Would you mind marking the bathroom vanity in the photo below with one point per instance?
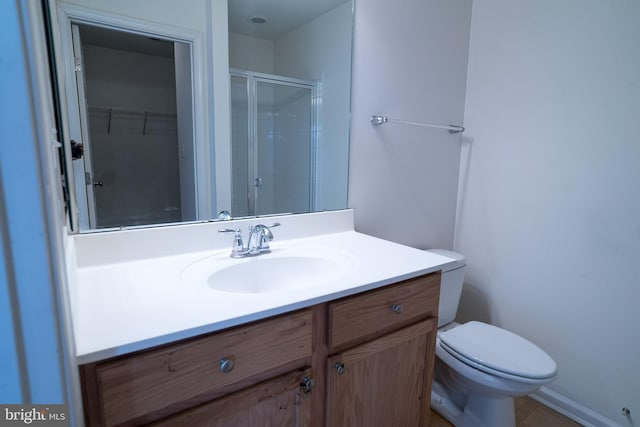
(345, 358)
(357, 349)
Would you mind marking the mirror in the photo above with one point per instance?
(290, 89)
(272, 140)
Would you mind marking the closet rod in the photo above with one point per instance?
(379, 120)
(125, 112)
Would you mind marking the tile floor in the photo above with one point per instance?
(529, 413)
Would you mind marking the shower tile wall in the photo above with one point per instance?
(266, 168)
(293, 152)
(284, 148)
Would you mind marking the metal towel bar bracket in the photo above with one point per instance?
(379, 120)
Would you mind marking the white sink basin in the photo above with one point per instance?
(284, 269)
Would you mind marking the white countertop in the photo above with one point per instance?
(122, 307)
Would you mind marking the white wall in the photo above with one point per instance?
(36, 354)
(129, 80)
(251, 53)
(410, 61)
(549, 215)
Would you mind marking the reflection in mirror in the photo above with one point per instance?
(290, 86)
(139, 101)
(131, 164)
(273, 144)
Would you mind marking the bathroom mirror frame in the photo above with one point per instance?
(67, 15)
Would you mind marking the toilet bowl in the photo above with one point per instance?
(480, 367)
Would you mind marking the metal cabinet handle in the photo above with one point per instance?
(396, 308)
(306, 384)
(226, 365)
(340, 368)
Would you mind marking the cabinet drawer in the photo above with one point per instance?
(277, 402)
(150, 381)
(365, 316)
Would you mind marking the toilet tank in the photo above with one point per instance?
(451, 286)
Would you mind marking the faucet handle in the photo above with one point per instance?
(228, 230)
(275, 224)
(238, 245)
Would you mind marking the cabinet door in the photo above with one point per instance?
(384, 382)
(280, 402)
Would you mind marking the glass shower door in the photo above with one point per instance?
(284, 155)
(240, 126)
(272, 145)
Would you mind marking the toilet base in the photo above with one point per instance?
(473, 410)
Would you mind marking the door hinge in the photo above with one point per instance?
(77, 65)
(87, 178)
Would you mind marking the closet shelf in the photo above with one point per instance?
(144, 116)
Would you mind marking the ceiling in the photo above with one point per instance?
(122, 40)
(282, 15)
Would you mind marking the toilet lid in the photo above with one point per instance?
(482, 345)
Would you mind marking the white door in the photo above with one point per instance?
(188, 193)
(82, 171)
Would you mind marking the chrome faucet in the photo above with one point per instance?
(259, 238)
(258, 243)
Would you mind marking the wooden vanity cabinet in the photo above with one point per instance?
(382, 349)
(383, 382)
(363, 360)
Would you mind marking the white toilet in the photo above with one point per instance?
(480, 367)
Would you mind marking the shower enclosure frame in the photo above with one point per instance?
(253, 78)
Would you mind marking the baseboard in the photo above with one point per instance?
(571, 409)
